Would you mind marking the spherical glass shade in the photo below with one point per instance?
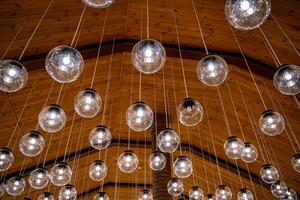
(2, 189)
(279, 189)
(212, 70)
(287, 79)
(157, 161)
(6, 158)
(168, 141)
(39, 178)
(250, 153)
(145, 195)
(139, 116)
(52, 118)
(175, 187)
(101, 196)
(271, 123)
(290, 195)
(223, 192)
(196, 193)
(210, 197)
(15, 186)
(245, 194)
(148, 56)
(98, 3)
(64, 64)
(32, 144)
(100, 137)
(87, 103)
(269, 174)
(13, 76)
(183, 167)
(190, 112)
(247, 14)
(60, 174)
(46, 196)
(296, 162)
(67, 192)
(234, 148)
(98, 170)
(128, 161)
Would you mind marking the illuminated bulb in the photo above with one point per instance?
(100, 137)
(46, 196)
(67, 192)
(6, 159)
(98, 3)
(139, 116)
(269, 174)
(128, 162)
(290, 195)
(87, 103)
(15, 186)
(183, 167)
(279, 189)
(234, 148)
(157, 161)
(32, 144)
(245, 194)
(296, 162)
(196, 193)
(60, 174)
(271, 123)
(39, 178)
(168, 141)
(249, 153)
(52, 118)
(145, 195)
(98, 170)
(175, 187)
(190, 112)
(101, 196)
(223, 193)
(210, 197)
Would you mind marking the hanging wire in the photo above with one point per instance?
(224, 112)
(165, 98)
(148, 34)
(78, 25)
(155, 111)
(11, 43)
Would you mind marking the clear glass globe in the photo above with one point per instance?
(287, 79)
(247, 14)
(6, 159)
(148, 56)
(128, 162)
(15, 185)
(279, 189)
(64, 64)
(87, 103)
(101, 196)
(157, 161)
(223, 192)
(183, 167)
(175, 187)
(190, 112)
(212, 70)
(145, 195)
(234, 148)
(296, 162)
(32, 144)
(60, 174)
(139, 116)
(168, 141)
(196, 193)
(2, 189)
(210, 197)
(13, 76)
(290, 195)
(271, 123)
(39, 178)
(46, 196)
(67, 192)
(98, 170)
(250, 153)
(269, 174)
(52, 118)
(98, 3)
(245, 194)
(100, 137)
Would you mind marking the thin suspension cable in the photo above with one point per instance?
(148, 34)
(11, 43)
(155, 111)
(130, 102)
(78, 25)
(191, 156)
(118, 152)
(224, 112)
(4, 106)
(165, 99)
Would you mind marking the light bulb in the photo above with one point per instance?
(190, 112)
(100, 137)
(139, 116)
(157, 161)
(210, 197)
(247, 14)
(67, 192)
(196, 193)
(287, 79)
(46, 196)
(6, 158)
(223, 193)
(279, 189)
(101, 196)
(148, 56)
(87, 103)
(168, 141)
(98, 170)
(52, 118)
(175, 187)
(183, 167)
(245, 194)
(128, 162)
(60, 174)
(269, 174)
(32, 144)
(271, 123)
(145, 195)
(15, 185)
(13, 76)
(234, 148)
(290, 195)
(2, 189)
(39, 178)
(296, 162)
(212, 70)
(98, 3)
(249, 154)
(64, 64)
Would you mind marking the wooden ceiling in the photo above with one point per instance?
(124, 24)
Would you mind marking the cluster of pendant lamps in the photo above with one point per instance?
(65, 64)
